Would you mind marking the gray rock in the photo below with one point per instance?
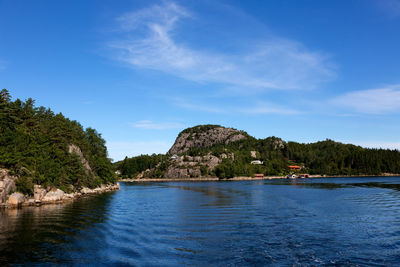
(7, 184)
(76, 150)
(16, 199)
(86, 190)
(38, 192)
(53, 195)
(186, 141)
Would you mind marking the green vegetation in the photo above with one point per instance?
(134, 166)
(325, 158)
(34, 144)
(199, 129)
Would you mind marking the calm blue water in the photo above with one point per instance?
(318, 222)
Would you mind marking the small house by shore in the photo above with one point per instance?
(294, 168)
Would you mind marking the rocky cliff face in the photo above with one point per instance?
(205, 136)
(7, 185)
(77, 150)
(193, 167)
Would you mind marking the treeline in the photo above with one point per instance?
(333, 158)
(326, 158)
(131, 167)
(35, 143)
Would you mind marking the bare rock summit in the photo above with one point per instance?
(205, 136)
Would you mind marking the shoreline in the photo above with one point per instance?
(244, 178)
(53, 196)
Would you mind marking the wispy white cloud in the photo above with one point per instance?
(259, 107)
(147, 124)
(151, 41)
(374, 101)
(269, 108)
(118, 150)
(187, 104)
(376, 144)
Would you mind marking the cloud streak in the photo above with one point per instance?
(248, 108)
(149, 125)
(150, 41)
(374, 101)
(376, 144)
(269, 108)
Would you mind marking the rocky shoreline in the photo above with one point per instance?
(9, 198)
(44, 196)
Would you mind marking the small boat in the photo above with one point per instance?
(291, 176)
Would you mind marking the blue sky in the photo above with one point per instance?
(141, 71)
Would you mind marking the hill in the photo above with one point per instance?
(203, 136)
(213, 150)
(40, 148)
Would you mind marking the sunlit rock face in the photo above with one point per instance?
(7, 184)
(205, 136)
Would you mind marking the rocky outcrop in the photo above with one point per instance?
(16, 199)
(278, 144)
(53, 195)
(38, 193)
(101, 189)
(193, 167)
(76, 150)
(7, 184)
(203, 136)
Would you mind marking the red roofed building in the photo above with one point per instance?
(295, 168)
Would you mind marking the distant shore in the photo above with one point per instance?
(244, 178)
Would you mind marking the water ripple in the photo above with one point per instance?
(321, 222)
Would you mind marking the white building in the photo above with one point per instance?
(257, 162)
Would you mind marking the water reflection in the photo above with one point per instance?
(32, 234)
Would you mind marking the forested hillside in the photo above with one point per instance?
(47, 149)
(232, 157)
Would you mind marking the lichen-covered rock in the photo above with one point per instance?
(38, 192)
(76, 150)
(86, 190)
(69, 196)
(190, 167)
(7, 184)
(16, 199)
(175, 172)
(101, 189)
(53, 195)
(205, 136)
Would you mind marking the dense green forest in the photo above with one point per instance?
(325, 158)
(35, 143)
(131, 167)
